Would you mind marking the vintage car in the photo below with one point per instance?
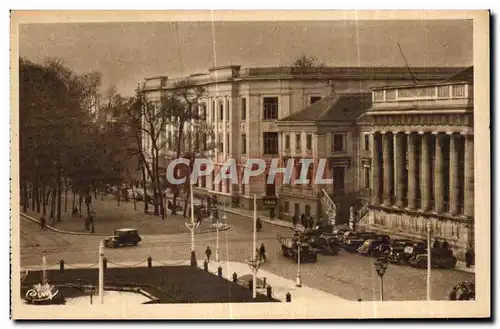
(123, 237)
(373, 247)
(326, 244)
(354, 241)
(290, 248)
(440, 257)
(402, 250)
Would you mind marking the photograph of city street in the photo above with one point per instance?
(293, 163)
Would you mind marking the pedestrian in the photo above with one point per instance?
(272, 214)
(303, 219)
(294, 220)
(259, 224)
(208, 252)
(42, 222)
(311, 222)
(469, 256)
(445, 245)
(453, 293)
(262, 252)
(436, 244)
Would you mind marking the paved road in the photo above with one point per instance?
(350, 276)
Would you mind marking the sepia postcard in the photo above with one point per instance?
(250, 164)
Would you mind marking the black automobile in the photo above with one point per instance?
(440, 257)
(373, 247)
(326, 244)
(123, 237)
(354, 241)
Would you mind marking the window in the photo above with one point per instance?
(287, 142)
(243, 109)
(213, 110)
(338, 179)
(309, 142)
(338, 142)
(314, 99)
(243, 144)
(227, 142)
(444, 91)
(270, 143)
(367, 178)
(367, 142)
(227, 109)
(221, 143)
(243, 189)
(270, 108)
(169, 141)
(308, 210)
(221, 111)
(270, 188)
(298, 143)
(458, 91)
(286, 207)
(203, 113)
(296, 209)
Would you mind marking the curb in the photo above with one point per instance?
(251, 217)
(53, 229)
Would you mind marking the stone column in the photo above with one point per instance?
(438, 175)
(425, 181)
(375, 168)
(399, 165)
(388, 170)
(412, 170)
(454, 186)
(469, 176)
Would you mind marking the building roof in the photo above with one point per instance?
(464, 75)
(336, 107)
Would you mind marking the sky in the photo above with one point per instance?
(126, 53)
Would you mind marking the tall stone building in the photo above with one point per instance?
(245, 104)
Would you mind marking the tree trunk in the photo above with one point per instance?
(188, 181)
(37, 195)
(59, 194)
(66, 195)
(44, 200)
(34, 194)
(24, 193)
(143, 169)
(80, 204)
(52, 204)
(74, 201)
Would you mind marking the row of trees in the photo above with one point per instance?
(65, 145)
(61, 147)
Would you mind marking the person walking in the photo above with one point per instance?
(303, 219)
(42, 222)
(272, 214)
(294, 220)
(259, 224)
(310, 222)
(208, 252)
(262, 252)
(469, 256)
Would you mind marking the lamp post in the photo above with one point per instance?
(381, 264)
(192, 227)
(254, 261)
(298, 282)
(101, 272)
(428, 224)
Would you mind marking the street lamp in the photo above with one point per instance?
(428, 225)
(298, 282)
(192, 227)
(381, 264)
(254, 262)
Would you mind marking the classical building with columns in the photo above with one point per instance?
(419, 158)
(245, 104)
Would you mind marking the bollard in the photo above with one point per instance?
(205, 265)
(61, 266)
(235, 277)
(219, 271)
(269, 292)
(104, 262)
(250, 285)
(288, 297)
(150, 262)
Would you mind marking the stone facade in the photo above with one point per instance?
(244, 106)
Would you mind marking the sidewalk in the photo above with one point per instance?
(111, 216)
(280, 286)
(264, 218)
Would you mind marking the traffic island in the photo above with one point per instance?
(166, 284)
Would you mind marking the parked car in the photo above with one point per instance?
(372, 247)
(123, 237)
(353, 242)
(404, 251)
(326, 244)
(290, 248)
(440, 257)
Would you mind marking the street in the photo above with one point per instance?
(350, 276)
